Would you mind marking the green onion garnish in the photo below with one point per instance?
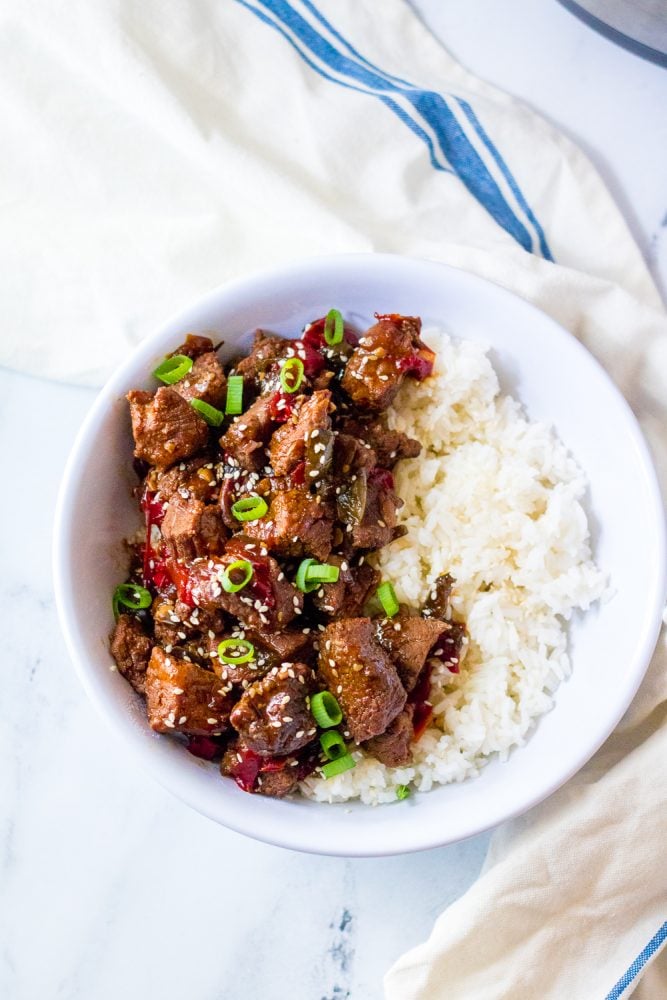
(322, 573)
(245, 651)
(301, 581)
(387, 598)
(326, 710)
(239, 566)
(234, 402)
(335, 767)
(249, 508)
(291, 374)
(333, 745)
(129, 595)
(212, 416)
(333, 328)
(310, 575)
(172, 370)
(402, 792)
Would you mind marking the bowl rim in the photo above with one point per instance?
(67, 605)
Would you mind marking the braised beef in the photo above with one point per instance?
(131, 649)
(183, 697)
(320, 459)
(360, 674)
(166, 428)
(247, 435)
(409, 639)
(205, 380)
(289, 443)
(192, 528)
(380, 361)
(273, 716)
(394, 746)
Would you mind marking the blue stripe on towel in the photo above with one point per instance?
(642, 958)
(431, 106)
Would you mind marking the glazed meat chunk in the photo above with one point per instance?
(385, 353)
(205, 380)
(409, 639)
(378, 525)
(346, 597)
(192, 528)
(394, 746)
(183, 697)
(194, 478)
(255, 773)
(295, 525)
(194, 346)
(246, 437)
(273, 715)
(166, 428)
(267, 350)
(289, 443)
(388, 446)
(359, 672)
(131, 649)
(269, 600)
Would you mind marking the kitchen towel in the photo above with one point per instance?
(154, 150)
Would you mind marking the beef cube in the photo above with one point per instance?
(131, 649)
(263, 775)
(289, 442)
(409, 639)
(246, 437)
(288, 645)
(394, 746)
(360, 674)
(351, 455)
(182, 697)
(379, 524)
(176, 622)
(166, 428)
(194, 478)
(192, 528)
(295, 525)
(388, 446)
(268, 601)
(346, 597)
(240, 674)
(194, 346)
(273, 715)
(376, 369)
(267, 351)
(205, 380)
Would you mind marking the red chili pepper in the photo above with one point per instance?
(421, 718)
(314, 335)
(180, 577)
(245, 770)
(419, 698)
(298, 474)
(418, 365)
(281, 406)
(204, 747)
(381, 477)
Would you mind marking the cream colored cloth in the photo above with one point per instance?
(152, 150)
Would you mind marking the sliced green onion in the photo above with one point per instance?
(246, 651)
(402, 792)
(212, 416)
(172, 370)
(333, 745)
(301, 581)
(335, 767)
(322, 573)
(326, 710)
(291, 374)
(234, 402)
(239, 566)
(130, 595)
(249, 508)
(387, 598)
(333, 328)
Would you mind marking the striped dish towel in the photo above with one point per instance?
(160, 148)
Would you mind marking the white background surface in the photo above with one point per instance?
(109, 887)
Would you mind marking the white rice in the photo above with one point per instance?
(494, 499)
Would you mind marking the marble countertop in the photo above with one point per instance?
(111, 888)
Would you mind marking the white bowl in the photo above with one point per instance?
(558, 382)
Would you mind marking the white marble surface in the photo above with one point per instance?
(110, 888)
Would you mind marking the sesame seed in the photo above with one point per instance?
(182, 719)
(212, 722)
